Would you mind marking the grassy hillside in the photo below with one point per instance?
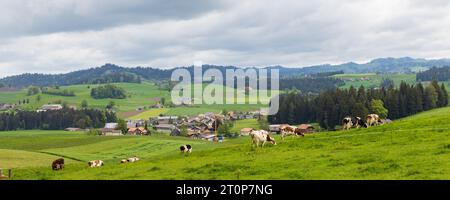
(140, 95)
(417, 147)
(374, 80)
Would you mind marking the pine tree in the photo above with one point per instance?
(419, 97)
(445, 94)
(430, 97)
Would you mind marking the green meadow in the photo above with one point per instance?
(142, 95)
(374, 80)
(416, 147)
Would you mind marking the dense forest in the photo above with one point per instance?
(330, 107)
(55, 120)
(440, 74)
(108, 91)
(120, 77)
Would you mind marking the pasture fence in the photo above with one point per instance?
(3, 176)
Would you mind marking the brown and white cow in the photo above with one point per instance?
(96, 163)
(291, 130)
(58, 164)
(347, 123)
(261, 136)
(372, 120)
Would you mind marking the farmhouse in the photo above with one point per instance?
(306, 128)
(135, 123)
(5, 106)
(165, 128)
(167, 119)
(137, 131)
(111, 125)
(48, 107)
(70, 129)
(111, 132)
(276, 127)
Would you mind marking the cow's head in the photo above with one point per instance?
(271, 139)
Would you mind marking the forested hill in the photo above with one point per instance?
(113, 73)
(435, 73)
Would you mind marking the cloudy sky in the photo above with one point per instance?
(54, 36)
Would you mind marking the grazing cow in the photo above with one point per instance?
(299, 132)
(96, 163)
(372, 119)
(347, 123)
(287, 130)
(129, 160)
(358, 122)
(186, 148)
(261, 136)
(58, 164)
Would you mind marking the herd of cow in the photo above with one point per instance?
(258, 137)
(59, 163)
(357, 122)
(262, 136)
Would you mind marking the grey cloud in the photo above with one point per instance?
(28, 17)
(245, 33)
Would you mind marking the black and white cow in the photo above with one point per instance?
(359, 123)
(347, 123)
(130, 160)
(186, 148)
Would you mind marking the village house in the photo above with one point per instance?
(6, 106)
(306, 128)
(137, 131)
(167, 119)
(165, 128)
(71, 129)
(276, 127)
(135, 123)
(48, 107)
(110, 130)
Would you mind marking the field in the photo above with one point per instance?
(417, 147)
(374, 80)
(140, 96)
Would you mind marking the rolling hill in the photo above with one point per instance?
(416, 147)
(114, 73)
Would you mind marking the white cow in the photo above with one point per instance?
(96, 163)
(373, 120)
(261, 136)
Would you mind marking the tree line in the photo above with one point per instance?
(435, 73)
(108, 91)
(330, 107)
(55, 120)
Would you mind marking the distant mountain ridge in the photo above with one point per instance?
(114, 73)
